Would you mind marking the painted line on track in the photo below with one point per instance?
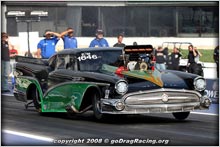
(37, 137)
(202, 113)
(7, 94)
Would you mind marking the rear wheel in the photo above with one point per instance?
(36, 98)
(181, 115)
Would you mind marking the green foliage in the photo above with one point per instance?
(207, 55)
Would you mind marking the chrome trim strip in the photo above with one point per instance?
(160, 108)
(159, 98)
(73, 82)
(164, 105)
(27, 77)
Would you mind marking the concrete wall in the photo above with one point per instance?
(200, 43)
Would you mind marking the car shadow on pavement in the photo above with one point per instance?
(117, 119)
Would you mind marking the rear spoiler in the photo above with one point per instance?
(29, 60)
(138, 49)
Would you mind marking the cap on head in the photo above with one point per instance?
(99, 31)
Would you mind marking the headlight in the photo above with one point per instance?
(121, 87)
(199, 84)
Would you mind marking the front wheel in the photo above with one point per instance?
(181, 115)
(96, 104)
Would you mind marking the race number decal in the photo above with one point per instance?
(87, 56)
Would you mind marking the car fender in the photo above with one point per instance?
(66, 94)
(23, 84)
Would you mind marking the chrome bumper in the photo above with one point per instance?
(156, 101)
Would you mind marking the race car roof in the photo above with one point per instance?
(78, 50)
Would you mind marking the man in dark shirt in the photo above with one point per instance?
(192, 65)
(5, 68)
(160, 58)
(119, 43)
(175, 59)
(216, 58)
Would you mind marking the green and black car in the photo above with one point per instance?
(108, 81)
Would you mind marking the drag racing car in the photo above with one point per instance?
(108, 81)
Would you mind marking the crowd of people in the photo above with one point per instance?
(46, 48)
(166, 60)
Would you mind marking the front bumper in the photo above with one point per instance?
(156, 101)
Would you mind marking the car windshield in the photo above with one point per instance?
(93, 61)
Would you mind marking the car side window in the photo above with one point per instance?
(65, 62)
(71, 64)
(62, 60)
(93, 61)
(61, 63)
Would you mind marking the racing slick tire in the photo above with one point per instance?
(36, 98)
(96, 106)
(181, 115)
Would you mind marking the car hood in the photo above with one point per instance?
(156, 79)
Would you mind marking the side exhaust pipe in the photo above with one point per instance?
(72, 109)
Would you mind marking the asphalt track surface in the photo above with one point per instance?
(198, 129)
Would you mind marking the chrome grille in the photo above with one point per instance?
(156, 97)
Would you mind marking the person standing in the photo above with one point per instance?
(119, 43)
(216, 58)
(5, 67)
(160, 58)
(68, 39)
(192, 65)
(175, 59)
(46, 47)
(99, 41)
(198, 54)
